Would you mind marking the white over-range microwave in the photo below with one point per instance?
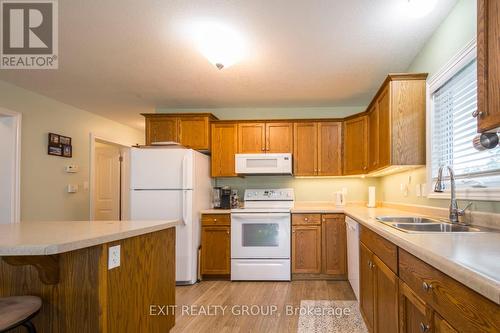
(268, 164)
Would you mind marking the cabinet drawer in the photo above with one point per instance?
(306, 219)
(457, 304)
(215, 219)
(384, 249)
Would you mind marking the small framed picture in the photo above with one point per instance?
(55, 150)
(54, 139)
(67, 151)
(64, 140)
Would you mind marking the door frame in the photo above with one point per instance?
(124, 181)
(16, 167)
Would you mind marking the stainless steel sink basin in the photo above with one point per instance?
(434, 227)
(407, 219)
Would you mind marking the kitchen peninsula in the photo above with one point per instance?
(66, 264)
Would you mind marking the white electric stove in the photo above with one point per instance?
(260, 236)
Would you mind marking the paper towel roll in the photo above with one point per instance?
(371, 197)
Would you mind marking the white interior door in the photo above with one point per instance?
(107, 196)
(7, 171)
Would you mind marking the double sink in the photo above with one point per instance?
(413, 224)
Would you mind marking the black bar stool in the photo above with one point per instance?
(18, 311)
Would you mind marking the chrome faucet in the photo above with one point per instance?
(455, 212)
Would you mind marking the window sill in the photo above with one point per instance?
(477, 194)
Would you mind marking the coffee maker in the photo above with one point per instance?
(221, 197)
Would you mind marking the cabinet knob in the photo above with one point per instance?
(306, 219)
(477, 113)
(227, 232)
(215, 220)
(426, 286)
(370, 264)
(293, 231)
(424, 327)
(324, 220)
(263, 149)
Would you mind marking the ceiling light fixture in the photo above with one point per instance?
(219, 43)
(419, 8)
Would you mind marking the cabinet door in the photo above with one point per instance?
(488, 65)
(355, 146)
(159, 129)
(373, 138)
(224, 146)
(334, 244)
(305, 149)
(329, 149)
(366, 292)
(215, 250)
(386, 286)
(251, 138)
(441, 325)
(384, 129)
(194, 132)
(279, 137)
(414, 315)
(306, 249)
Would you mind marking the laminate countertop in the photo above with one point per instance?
(47, 238)
(470, 258)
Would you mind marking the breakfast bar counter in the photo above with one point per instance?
(67, 264)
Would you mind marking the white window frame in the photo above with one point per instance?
(457, 63)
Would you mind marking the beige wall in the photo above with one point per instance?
(43, 180)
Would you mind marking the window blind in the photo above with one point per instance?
(454, 128)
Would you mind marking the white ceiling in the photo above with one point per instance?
(122, 57)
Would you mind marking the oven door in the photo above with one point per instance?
(260, 235)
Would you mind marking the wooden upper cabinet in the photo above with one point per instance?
(305, 148)
(384, 129)
(191, 130)
(279, 137)
(194, 132)
(329, 149)
(374, 141)
(334, 244)
(224, 147)
(161, 129)
(306, 249)
(488, 65)
(356, 145)
(251, 138)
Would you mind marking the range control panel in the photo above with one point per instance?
(283, 194)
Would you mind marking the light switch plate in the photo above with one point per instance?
(114, 257)
(72, 188)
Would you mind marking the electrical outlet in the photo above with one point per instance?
(418, 190)
(114, 257)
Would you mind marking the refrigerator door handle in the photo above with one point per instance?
(184, 206)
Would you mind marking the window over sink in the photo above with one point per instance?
(451, 129)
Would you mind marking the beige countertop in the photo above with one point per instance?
(46, 238)
(470, 258)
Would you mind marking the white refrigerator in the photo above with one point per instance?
(172, 183)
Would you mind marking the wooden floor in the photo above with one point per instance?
(199, 307)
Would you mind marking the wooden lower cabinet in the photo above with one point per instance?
(334, 244)
(441, 325)
(306, 249)
(414, 315)
(366, 299)
(379, 293)
(216, 245)
(319, 246)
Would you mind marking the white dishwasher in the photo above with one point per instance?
(352, 228)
